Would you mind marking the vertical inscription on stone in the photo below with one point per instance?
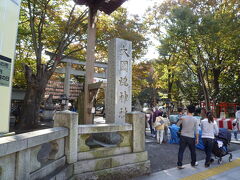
(123, 81)
(119, 81)
(124, 66)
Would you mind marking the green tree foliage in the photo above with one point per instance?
(120, 25)
(52, 25)
(42, 27)
(145, 83)
(201, 37)
(60, 27)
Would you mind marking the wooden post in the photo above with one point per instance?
(67, 81)
(81, 108)
(91, 41)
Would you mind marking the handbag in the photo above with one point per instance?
(158, 123)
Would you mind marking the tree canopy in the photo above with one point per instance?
(198, 48)
(60, 28)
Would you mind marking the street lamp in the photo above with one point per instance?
(64, 102)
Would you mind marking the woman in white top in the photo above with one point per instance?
(209, 129)
(236, 123)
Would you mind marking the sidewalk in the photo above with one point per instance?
(226, 171)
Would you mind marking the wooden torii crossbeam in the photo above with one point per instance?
(107, 6)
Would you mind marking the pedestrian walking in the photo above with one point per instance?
(160, 111)
(150, 122)
(155, 114)
(187, 138)
(236, 123)
(159, 127)
(180, 113)
(166, 125)
(209, 129)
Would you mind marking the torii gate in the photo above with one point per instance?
(93, 88)
(107, 6)
(68, 70)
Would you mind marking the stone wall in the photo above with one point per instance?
(64, 152)
(32, 155)
(121, 159)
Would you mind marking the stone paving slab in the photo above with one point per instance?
(225, 171)
(233, 140)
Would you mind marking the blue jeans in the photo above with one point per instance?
(184, 142)
(151, 128)
(235, 132)
(208, 143)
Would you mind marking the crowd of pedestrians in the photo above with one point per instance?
(189, 130)
(158, 124)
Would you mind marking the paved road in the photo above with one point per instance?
(225, 171)
(164, 156)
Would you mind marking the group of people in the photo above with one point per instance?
(158, 123)
(189, 131)
(189, 135)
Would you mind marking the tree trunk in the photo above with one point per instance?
(35, 91)
(170, 84)
(216, 74)
(204, 88)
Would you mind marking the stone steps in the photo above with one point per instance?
(91, 165)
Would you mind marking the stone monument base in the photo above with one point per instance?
(113, 167)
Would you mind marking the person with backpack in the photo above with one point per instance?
(209, 129)
(159, 127)
(187, 137)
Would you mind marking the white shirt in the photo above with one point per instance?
(237, 115)
(209, 129)
(235, 128)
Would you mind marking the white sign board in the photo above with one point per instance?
(5, 71)
(9, 16)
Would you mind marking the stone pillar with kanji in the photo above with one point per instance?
(119, 81)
